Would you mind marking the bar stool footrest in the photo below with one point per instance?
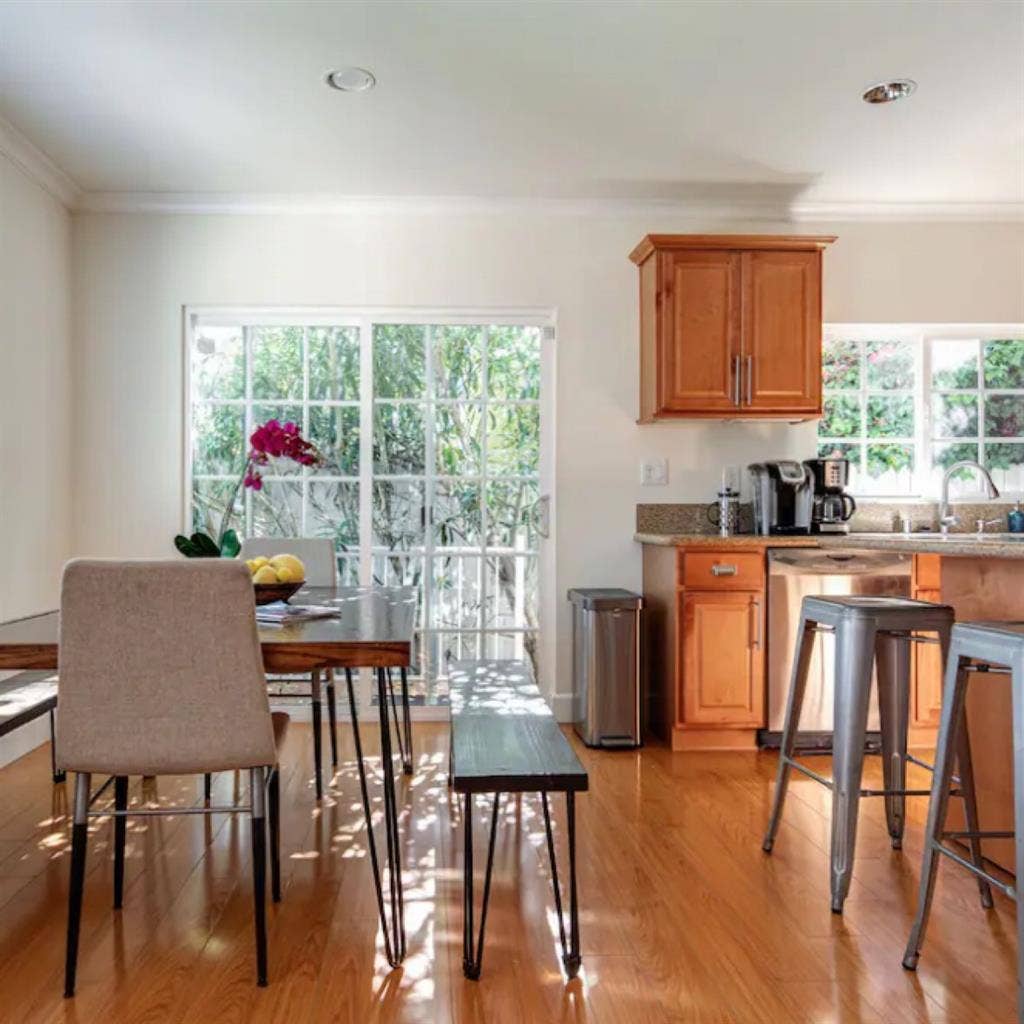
(1007, 890)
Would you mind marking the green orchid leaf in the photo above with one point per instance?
(186, 547)
(230, 544)
(206, 545)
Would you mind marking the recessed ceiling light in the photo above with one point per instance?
(889, 92)
(351, 79)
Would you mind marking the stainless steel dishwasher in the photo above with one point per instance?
(794, 573)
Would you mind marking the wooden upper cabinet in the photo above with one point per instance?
(700, 321)
(730, 326)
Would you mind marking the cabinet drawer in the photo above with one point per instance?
(721, 570)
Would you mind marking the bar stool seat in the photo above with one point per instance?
(869, 631)
(992, 649)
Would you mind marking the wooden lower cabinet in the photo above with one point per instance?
(926, 659)
(722, 659)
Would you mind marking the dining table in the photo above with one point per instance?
(371, 628)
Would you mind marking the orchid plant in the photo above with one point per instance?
(272, 440)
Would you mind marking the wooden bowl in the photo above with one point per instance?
(267, 593)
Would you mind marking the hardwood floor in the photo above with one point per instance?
(683, 918)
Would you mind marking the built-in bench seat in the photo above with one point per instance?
(504, 739)
(24, 698)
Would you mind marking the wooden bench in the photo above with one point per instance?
(504, 739)
(24, 698)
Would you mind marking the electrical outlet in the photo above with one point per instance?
(654, 472)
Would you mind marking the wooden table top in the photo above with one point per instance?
(374, 630)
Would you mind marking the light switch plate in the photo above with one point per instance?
(654, 472)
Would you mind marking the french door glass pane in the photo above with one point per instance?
(332, 510)
(511, 592)
(456, 589)
(510, 509)
(333, 363)
(334, 429)
(209, 502)
(399, 439)
(458, 362)
(458, 432)
(513, 363)
(218, 440)
(218, 363)
(276, 354)
(513, 440)
(457, 520)
(399, 515)
(277, 509)
(399, 361)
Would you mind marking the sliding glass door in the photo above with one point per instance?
(434, 441)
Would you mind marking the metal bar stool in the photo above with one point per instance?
(868, 630)
(992, 648)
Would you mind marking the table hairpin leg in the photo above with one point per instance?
(406, 721)
(473, 951)
(391, 951)
(397, 720)
(391, 820)
(571, 952)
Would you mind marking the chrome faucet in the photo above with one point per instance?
(991, 491)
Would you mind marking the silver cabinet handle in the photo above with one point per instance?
(724, 570)
(737, 374)
(755, 607)
(750, 380)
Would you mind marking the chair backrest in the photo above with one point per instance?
(317, 553)
(160, 669)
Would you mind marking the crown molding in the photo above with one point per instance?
(33, 162)
(742, 209)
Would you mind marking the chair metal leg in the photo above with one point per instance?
(207, 787)
(855, 651)
(259, 870)
(794, 702)
(406, 722)
(58, 776)
(274, 821)
(315, 696)
(571, 950)
(79, 837)
(394, 851)
(892, 656)
(965, 769)
(473, 950)
(1017, 688)
(367, 813)
(332, 717)
(954, 691)
(120, 834)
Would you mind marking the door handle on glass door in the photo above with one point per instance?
(542, 516)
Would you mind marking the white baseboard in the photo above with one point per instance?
(561, 705)
(18, 743)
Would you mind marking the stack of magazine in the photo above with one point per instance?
(280, 613)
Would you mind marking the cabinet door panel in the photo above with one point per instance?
(700, 331)
(723, 658)
(782, 331)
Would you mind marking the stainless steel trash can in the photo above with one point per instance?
(606, 666)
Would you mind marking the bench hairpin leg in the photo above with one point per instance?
(58, 776)
(473, 954)
(370, 840)
(394, 851)
(571, 952)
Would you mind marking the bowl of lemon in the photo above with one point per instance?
(277, 578)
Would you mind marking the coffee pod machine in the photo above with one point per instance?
(783, 497)
(831, 506)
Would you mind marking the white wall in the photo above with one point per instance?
(134, 273)
(35, 395)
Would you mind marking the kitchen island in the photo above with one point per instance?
(706, 638)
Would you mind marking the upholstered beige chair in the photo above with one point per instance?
(317, 553)
(161, 674)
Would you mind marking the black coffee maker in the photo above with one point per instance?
(831, 506)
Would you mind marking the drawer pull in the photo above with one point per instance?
(724, 570)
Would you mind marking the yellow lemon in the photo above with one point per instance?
(286, 574)
(260, 561)
(264, 574)
(296, 570)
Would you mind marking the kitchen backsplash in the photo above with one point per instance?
(874, 517)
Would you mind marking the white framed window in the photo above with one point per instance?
(436, 432)
(905, 401)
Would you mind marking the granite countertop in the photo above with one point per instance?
(991, 545)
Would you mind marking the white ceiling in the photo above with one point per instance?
(608, 99)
